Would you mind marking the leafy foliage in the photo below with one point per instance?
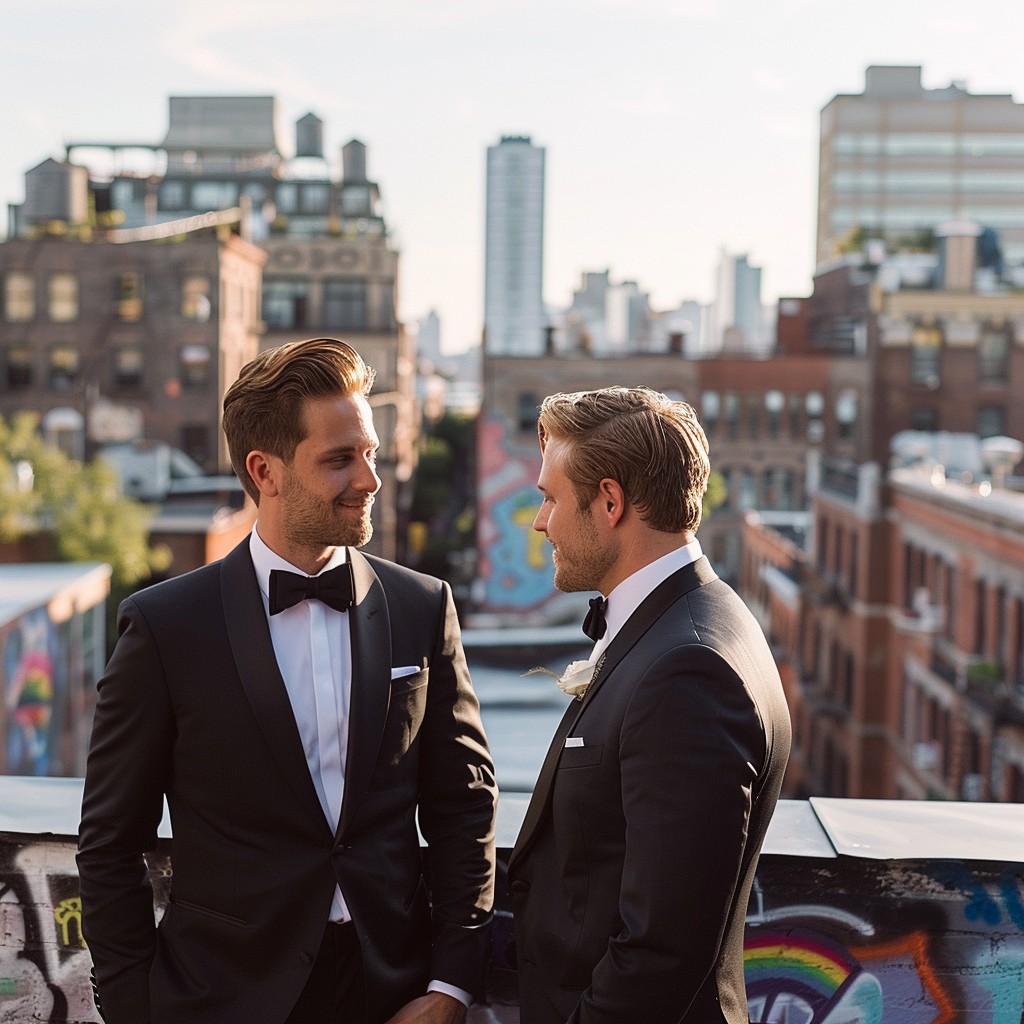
(42, 489)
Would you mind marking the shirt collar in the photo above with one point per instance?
(264, 560)
(631, 592)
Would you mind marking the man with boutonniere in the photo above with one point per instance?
(632, 872)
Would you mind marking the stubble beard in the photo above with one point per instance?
(314, 524)
(588, 565)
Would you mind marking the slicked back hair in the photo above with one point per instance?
(654, 448)
(263, 409)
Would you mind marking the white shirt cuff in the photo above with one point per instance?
(450, 990)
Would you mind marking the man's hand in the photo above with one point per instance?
(433, 1008)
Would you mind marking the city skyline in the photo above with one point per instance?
(673, 128)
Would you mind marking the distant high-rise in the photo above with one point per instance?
(898, 160)
(514, 317)
(737, 305)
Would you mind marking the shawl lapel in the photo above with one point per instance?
(688, 578)
(371, 682)
(253, 651)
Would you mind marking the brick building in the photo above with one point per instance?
(129, 334)
(763, 418)
(900, 633)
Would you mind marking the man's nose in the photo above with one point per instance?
(368, 480)
(540, 520)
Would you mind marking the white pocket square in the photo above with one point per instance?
(574, 741)
(404, 670)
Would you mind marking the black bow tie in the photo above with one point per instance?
(334, 587)
(595, 625)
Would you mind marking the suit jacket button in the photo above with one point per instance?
(305, 957)
(520, 886)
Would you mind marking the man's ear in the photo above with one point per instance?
(265, 471)
(613, 499)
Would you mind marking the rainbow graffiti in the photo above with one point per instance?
(796, 966)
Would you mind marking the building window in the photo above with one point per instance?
(128, 296)
(285, 304)
(195, 298)
(774, 404)
(991, 421)
(846, 414)
(710, 406)
(195, 442)
(195, 366)
(345, 304)
(172, 195)
(994, 356)
(747, 498)
(19, 297)
(925, 352)
(814, 402)
(527, 410)
(732, 414)
(753, 404)
(795, 417)
(287, 198)
(19, 368)
(355, 200)
(63, 297)
(315, 198)
(214, 195)
(64, 366)
(128, 367)
(924, 418)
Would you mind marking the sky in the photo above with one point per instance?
(673, 128)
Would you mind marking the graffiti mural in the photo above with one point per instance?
(44, 965)
(842, 941)
(915, 942)
(34, 696)
(515, 562)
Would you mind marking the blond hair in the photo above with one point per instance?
(263, 408)
(654, 448)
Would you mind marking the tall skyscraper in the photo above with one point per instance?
(736, 308)
(897, 160)
(514, 317)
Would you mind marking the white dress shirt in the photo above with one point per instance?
(313, 642)
(635, 589)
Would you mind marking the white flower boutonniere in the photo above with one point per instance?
(577, 677)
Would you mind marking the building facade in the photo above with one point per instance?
(899, 630)
(515, 322)
(329, 265)
(125, 337)
(766, 420)
(898, 159)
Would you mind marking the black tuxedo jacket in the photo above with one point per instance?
(631, 874)
(192, 706)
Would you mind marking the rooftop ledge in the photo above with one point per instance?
(822, 827)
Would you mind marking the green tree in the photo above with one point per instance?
(714, 495)
(79, 504)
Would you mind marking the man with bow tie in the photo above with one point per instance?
(301, 706)
(633, 868)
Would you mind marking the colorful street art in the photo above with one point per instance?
(841, 941)
(29, 668)
(515, 562)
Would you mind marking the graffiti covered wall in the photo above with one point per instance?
(515, 561)
(840, 941)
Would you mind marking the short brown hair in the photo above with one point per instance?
(654, 448)
(263, 408)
